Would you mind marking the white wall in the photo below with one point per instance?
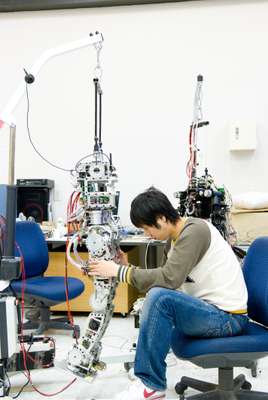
(151, 57)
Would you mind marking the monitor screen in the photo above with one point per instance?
(7, 219)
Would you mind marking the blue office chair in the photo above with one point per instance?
(41, 291)
(238, 351)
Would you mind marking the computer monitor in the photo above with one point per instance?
(8, 201)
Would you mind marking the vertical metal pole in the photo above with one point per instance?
(11, 162)
(11, 199)
(100, 115)
(96, 145)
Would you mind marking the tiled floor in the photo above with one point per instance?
(117, 341)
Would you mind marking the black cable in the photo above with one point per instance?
(21, 389)
(28, 379)
(96, 145)
(9, 384)
(100, 116)
(29, 135)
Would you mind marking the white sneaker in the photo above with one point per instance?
(138, 391)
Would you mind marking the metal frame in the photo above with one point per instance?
(37, 5)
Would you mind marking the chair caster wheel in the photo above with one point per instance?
(128, 366)
(254, 371)
(180, 389)
(246, 386)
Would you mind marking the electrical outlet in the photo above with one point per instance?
(242, 135)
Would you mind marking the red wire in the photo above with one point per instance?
(45, 365)
(24, 353)
(69, 312)
(189, 167)
(71, 208)
(72, 205)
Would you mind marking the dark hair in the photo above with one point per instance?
(150, 205)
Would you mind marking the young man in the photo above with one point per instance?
(199, 290)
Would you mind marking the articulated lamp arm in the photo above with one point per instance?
(6, 116)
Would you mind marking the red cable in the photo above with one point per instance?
(189, 166)
(69, 312)
(70, 211)
(71, 208)
(24, 353)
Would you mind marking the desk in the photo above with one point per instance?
(135, 246)
(249, 224)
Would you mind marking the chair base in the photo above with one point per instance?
(225, 395)
(227, 388)
(44, 322)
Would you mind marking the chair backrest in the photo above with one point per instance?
(256, 276)
(31, 242)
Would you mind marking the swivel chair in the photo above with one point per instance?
(41, 291)
(237, 351)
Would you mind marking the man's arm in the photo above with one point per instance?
(165, 253)
(187, 252)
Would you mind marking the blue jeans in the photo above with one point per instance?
(166, 309)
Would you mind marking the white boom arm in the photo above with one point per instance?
(6, 116)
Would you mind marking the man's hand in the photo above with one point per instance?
(106, 269)
(122, 257)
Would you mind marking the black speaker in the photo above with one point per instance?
(33, 198)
